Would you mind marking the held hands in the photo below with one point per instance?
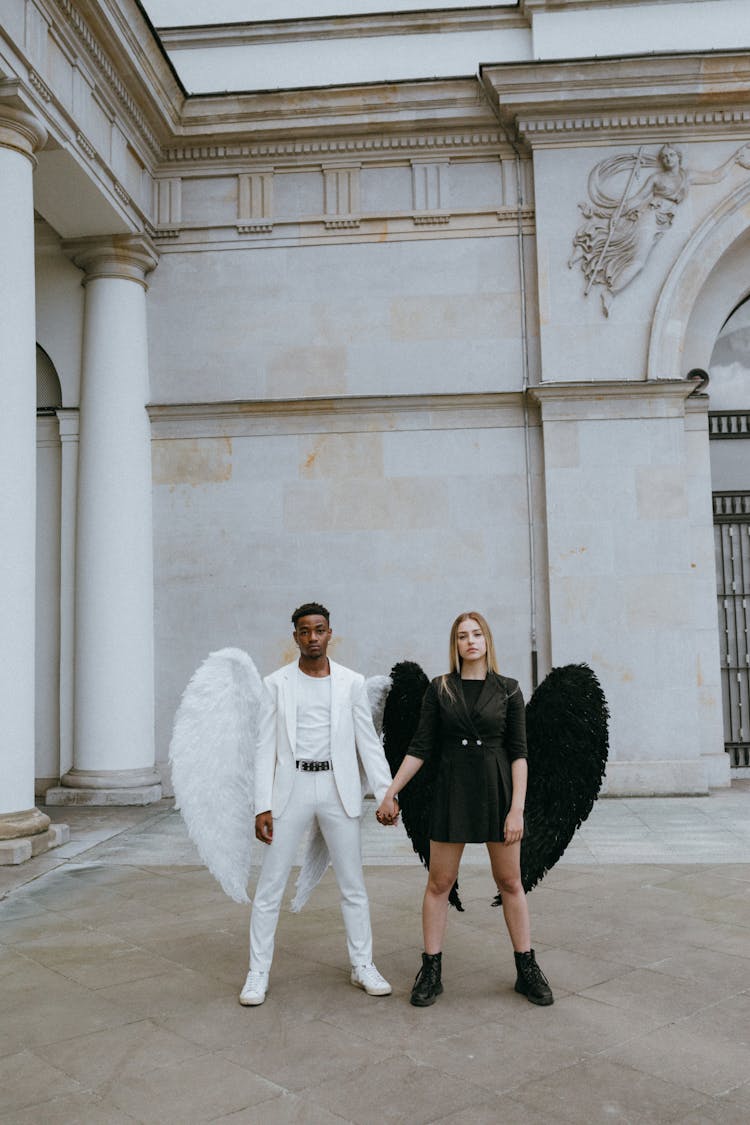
(264, 827)
(513, 826)
(387, 813)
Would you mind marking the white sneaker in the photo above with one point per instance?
(368, 977)
(254, 989)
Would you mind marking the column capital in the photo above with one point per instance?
(21, 130)
(126, 256)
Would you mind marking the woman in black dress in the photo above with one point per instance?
(474, 718)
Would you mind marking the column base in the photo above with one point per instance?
(106, 787)
(136, 795)
(26, 847)
(669, 778)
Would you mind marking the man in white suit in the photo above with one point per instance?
(315, 730)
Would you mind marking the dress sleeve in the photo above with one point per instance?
(424, 741)
(515, 723)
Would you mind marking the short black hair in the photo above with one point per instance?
(310, 609)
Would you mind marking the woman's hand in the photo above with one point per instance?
(513, 826)
(387, 813)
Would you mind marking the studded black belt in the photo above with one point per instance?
(311, 766)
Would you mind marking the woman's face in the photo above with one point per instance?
(471, 643)
(669, 158)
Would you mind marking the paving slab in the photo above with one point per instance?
(121, 959)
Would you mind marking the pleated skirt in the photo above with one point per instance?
(473, 792)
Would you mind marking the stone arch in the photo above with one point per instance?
(708, 280)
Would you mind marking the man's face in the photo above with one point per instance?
(312, 634)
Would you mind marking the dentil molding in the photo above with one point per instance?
(598, 100)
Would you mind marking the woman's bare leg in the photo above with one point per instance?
(506, 871)
(444, 863)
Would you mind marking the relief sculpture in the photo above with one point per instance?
(633, 200)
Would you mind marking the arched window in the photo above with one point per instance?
(48, 390)
(730, 362)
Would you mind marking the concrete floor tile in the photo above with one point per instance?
(190, 1092)
(598, 1090)
(717, 1111)
(298, 1056)
(725, 1018)
(175, 990)
(380, 1092)
(493, 1057)
(11, 961)
(219, 954)
(585, 1025)
(222, 1024)
(495, 1112)
(115, 1054)
(707, 966)
(655, 993)
(18, 931)
(682, 1055)
(286, 1109)
(27, 1080)
(75, 1109)
(392, 1019)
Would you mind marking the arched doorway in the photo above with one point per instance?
(729, 429)
(48, 527)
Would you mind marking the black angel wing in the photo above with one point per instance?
(567, 739)
(400, 721)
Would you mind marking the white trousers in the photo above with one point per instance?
(314, 796)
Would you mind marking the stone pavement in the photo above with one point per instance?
(120, 962)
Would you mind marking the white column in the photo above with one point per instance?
(68, 423)
(113, 752)
(20, 136)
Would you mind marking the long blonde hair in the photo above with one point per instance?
(455, 659)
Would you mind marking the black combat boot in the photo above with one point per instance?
(427, 986)
(531, 981)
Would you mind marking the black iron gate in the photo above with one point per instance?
(732, 539)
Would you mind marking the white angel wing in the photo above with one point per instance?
(377, 688)
(211, 752)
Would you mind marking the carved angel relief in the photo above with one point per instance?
(634, 197)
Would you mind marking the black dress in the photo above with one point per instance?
(476, 740)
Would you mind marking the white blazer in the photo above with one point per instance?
(355, 745)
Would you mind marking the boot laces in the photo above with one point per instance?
(533, 973)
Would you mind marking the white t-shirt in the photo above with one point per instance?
(313, 717)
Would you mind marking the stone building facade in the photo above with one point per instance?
(407, 346)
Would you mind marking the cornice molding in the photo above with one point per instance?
(607, 401)
(257, 32)
(457, 104)
(374, 145)
(534, 7)
(108, 71)
(597, 100)
(353, 412)
(612, 389)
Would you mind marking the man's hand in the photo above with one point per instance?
(264, 827)
(388, 811)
